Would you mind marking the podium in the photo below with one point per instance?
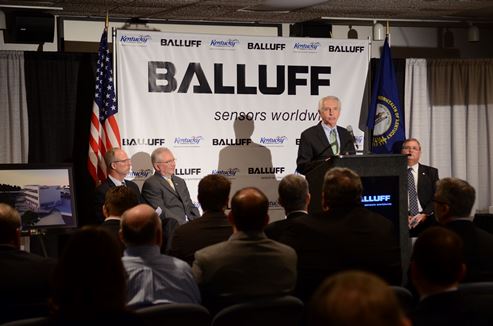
(384, 179)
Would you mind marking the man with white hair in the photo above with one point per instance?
(324, 139)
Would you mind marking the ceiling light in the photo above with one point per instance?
(352, 33)
(378, 32)
(473, 33)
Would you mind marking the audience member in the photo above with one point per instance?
(153, 277)
(89, 283)
(117, 201)
(346, 236)
(248, 265)
(294, 198)
(454, 200)
(165, 191)
(117, 167)
(212, 227)
(437, 267)
(355, 298)
(421, 188)
(24, 277)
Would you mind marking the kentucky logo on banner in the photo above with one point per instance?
(385, 116)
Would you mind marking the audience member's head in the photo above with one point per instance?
(213, 194)
(453, 198)
(10, 225)
(437, 261)
(117, 163)
(141, 226)
(342, 187)
(355, 298)
(117, 200)
(293, 193)
(89, 279)
(249, 208)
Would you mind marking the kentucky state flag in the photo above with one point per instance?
(385, 116)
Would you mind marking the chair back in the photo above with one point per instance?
(38, 321)
(478, 298)
(175, 314)
(286, 311)
(405, 297)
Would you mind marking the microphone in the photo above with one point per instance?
(351, 133)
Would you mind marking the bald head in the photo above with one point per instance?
(141, 225)
(249, 208)
(10, 223)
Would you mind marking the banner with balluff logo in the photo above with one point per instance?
(232, 105)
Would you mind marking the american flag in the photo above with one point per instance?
(105, 133)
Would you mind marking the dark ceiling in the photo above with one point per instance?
(477, 11)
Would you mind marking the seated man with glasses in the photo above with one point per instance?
(166, 192)
(422, 181)
(117, 167)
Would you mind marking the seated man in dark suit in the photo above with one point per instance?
(422, 181)
(166, 192)
(212, 227)
(117, 201)
(249, 265)
(454, 200)
(294, 197)
(324, 139)
(437, 267)
(346, 236)
(24, 277)
(117, 167)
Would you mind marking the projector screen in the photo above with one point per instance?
(42, 194)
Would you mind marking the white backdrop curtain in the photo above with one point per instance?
(449, 108)
(14, 127)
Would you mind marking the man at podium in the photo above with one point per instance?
(325, 139)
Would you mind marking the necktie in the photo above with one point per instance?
(413, 196)
(333, 142)
(170, 183)
(123, 183)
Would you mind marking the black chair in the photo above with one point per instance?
(175, 314)
(286, 311)
(405, 297)
(478, 298)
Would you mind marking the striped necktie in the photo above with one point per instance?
(333, 142)
(413, 195)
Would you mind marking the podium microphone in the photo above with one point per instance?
(351, 133)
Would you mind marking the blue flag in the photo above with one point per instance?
(385, 116)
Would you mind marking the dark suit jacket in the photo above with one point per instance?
(344, 238)
(314, 146)
(427, 179)
(445, 309)
(211, 228)
(24, 284)
(174, 204)
(100, 193)
(478, 250)
(276, 230)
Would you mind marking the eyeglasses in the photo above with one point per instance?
(122, 161)
(167, 162)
